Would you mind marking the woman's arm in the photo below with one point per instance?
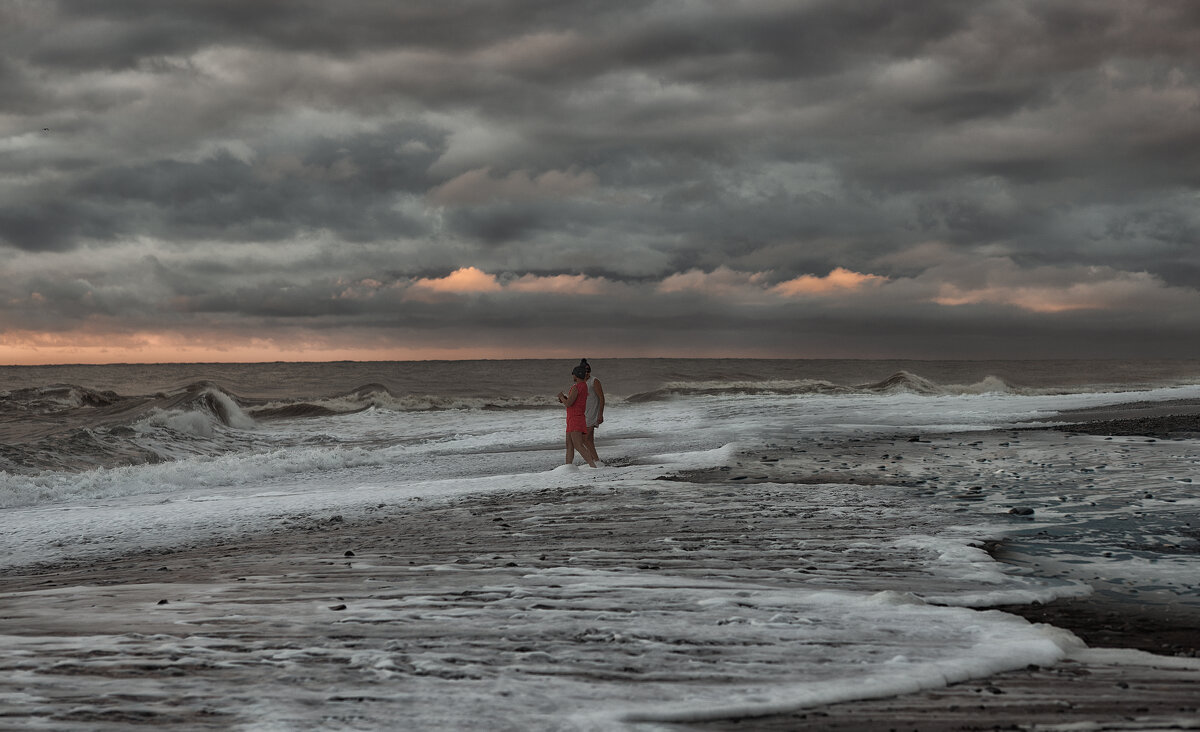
(569, 399)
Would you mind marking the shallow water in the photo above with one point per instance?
(631, 598)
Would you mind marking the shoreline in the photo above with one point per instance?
(1175, 419)
(502, 539)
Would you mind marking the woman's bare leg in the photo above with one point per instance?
(570, 451)
(577, 439)
(589, 440)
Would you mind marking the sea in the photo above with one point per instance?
(69, 419)
(98, 461)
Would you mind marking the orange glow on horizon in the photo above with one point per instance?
(15, 356)
(76, 347)
(30, 348)
(249, 352)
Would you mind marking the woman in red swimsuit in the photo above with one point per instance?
(576, 402)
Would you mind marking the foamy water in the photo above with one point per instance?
(882, 616)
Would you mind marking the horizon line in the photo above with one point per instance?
(603, 358)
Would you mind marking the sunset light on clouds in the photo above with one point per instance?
(839, 280)
(466, 280)
(1118, 292)
(203, 182)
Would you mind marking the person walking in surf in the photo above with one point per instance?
(576, 403)
(594, 409)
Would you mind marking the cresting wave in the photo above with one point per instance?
(66, 427)
(902, 382)
(214, 403)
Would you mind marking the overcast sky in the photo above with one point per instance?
(269, 180)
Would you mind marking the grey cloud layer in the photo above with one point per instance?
(625, 140)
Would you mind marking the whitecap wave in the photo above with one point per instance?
(199, 413)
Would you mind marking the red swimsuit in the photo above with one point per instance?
(576, 422)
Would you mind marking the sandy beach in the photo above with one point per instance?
(196, 637)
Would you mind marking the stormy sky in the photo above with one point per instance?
(232, 180)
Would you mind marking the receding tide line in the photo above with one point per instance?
(1053, 646)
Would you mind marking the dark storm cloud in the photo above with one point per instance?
(972, 153)
(120, 34)
(54, 224)
(224, 198)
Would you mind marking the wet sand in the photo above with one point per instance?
(1177, 419)
(752, 518)
(1068, 697)
(1071, 695)
(479, 576)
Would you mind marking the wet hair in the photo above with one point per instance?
(579, 372)
(585, 365)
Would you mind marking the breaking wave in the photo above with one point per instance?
(67, 427)
(901, 382)
(201, 411)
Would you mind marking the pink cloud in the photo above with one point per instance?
(839, 280)
(748, 286)
(462, 281)
(474, 281)
(560, 284)
(722, 281)
(1118, 292)
(999, 281)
